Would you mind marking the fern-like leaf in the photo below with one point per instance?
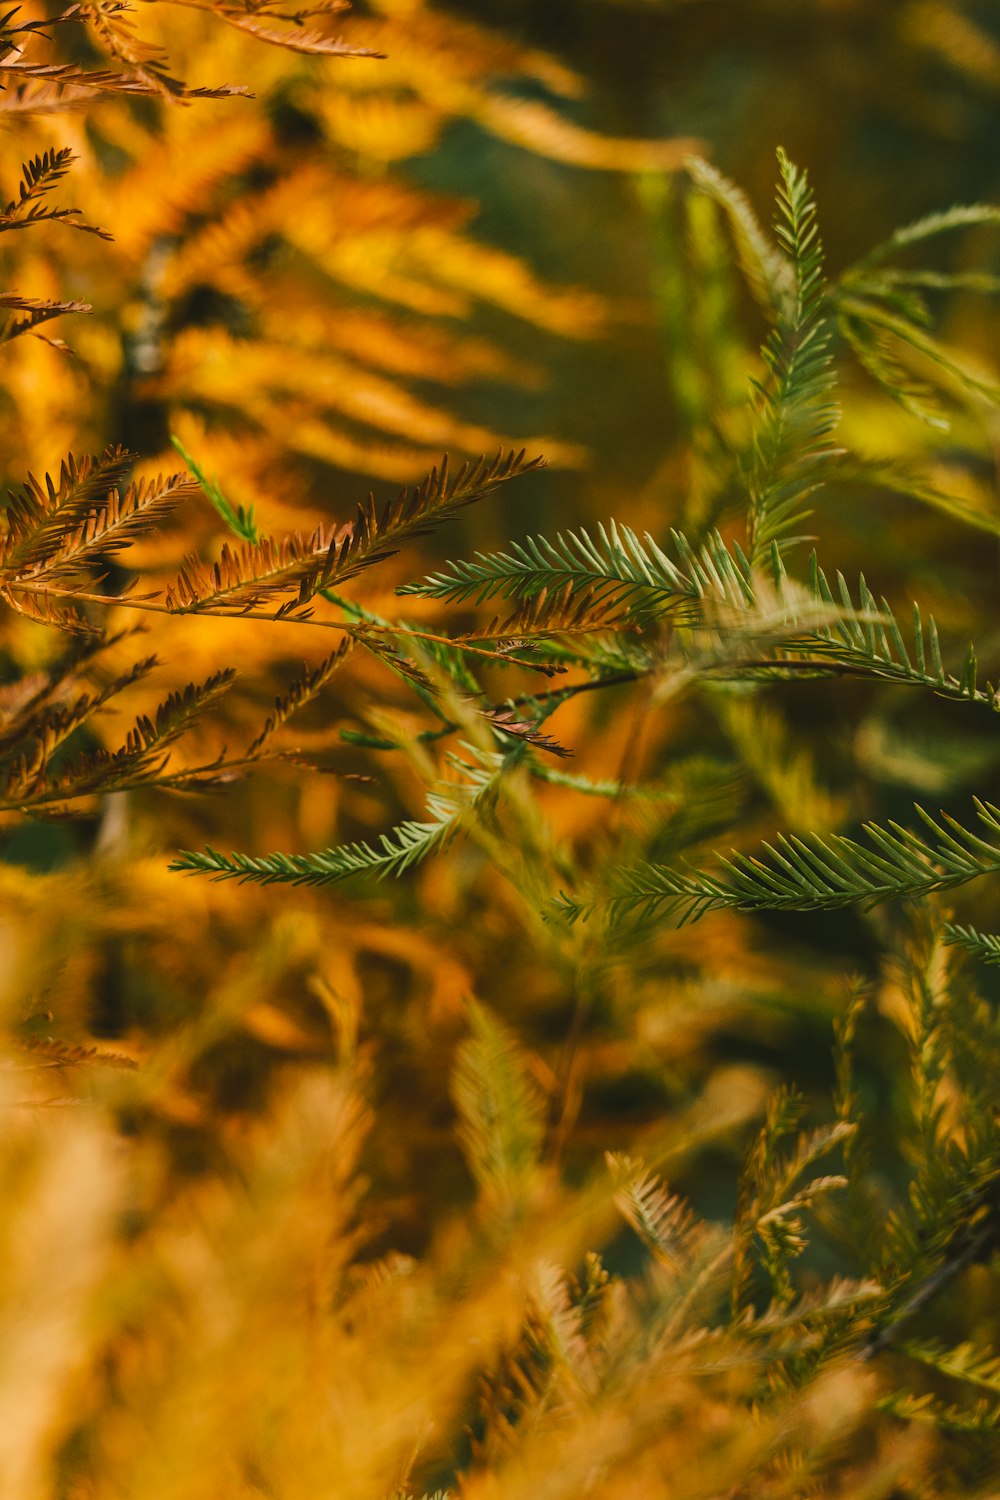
(138, 761)
(617, 563)
(982, 945)
(32, 744)
(89, 530)
(664, 1222)
(616, 573)
(36, 310)
(980, 1419)
(286, 571)
(39, 176)
(49, 1052)
(545, 614)
(39, 516)
(375, 536)
(302, 692)
(811, 873)
(239, 520)
(448, 805)
(966, 1362)
(868, 640)
(795, 412)
(294, 568)
(299, 39)
(962, 216)
(45, 611)
(506, 721)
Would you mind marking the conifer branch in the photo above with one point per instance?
(619, 566)
(37, 310)
(40, 516)
(962, 216)
(449, 804)
(813, 873)
(982, 945)
(301, 692)
(141, 760)
(300, 567)
(867, 638)
(795, 412)
(664, 1223)
(39, 176)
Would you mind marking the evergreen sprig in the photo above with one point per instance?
(796, 411)
(982, 945)
(449, 804)
(813, 873)
(615, 566)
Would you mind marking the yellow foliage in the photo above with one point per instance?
(305, 1187)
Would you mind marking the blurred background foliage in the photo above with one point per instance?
(488, 237)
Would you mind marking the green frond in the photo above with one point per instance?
(885, 320)
(876, 354)
(617, 566)
(867, 640)
(448, 805)
(982, 945)
(941, 281)
(239, 520)
(795, 411)
(618, 562)
(887, 331)
(811, 873)
(962, 216)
